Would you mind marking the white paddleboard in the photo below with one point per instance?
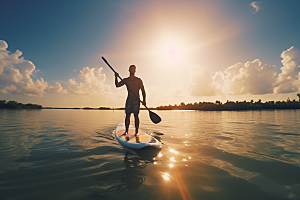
(135, 142)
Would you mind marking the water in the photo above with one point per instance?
(72, 154)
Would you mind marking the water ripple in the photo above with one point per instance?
(72, 154)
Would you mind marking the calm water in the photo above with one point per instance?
(72, 154)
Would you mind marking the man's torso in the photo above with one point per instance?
(134, 84)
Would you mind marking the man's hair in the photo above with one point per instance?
(132, 66)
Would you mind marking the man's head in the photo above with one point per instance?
(132, 69)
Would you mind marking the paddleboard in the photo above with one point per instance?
(135, 142)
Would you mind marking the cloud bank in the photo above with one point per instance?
(288, 80)
(93, 82)
(16, 72)
(249, 78)
(16, 78)
(252, 77)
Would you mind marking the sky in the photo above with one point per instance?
(185, 50)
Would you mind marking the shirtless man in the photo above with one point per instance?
(133, 84)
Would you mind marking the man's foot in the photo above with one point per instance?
(137, 139)
(136, 134)
(125, 133)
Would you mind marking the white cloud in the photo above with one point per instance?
(255, 6)
(201, 82)
(3, 91)
(3, 45)
(15, 74)
(288, 81)
(93, 82)
(249, 78)
(10, 87)
(31, 88)
(16, 77)
(56, 89)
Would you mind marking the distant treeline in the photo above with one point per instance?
(100, 108)
(210, 106)
(231, 105)
(85, 108)
(16, 105)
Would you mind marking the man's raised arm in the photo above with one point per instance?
(117, 83)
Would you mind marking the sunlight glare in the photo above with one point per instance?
(172, 49)
(172, 52)
(166, 176)
(173, 151)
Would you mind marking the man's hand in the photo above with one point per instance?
(117, 83)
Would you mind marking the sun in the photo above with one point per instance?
(172, 52)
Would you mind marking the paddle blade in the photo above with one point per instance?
(154, 117)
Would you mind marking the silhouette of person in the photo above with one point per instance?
(134, 85)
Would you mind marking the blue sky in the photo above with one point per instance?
(58, 35)
(64, 41)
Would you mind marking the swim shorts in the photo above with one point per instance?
(132, 105)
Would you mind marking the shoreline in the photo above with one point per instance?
(203, 106)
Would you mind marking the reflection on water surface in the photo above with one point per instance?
(72, 154)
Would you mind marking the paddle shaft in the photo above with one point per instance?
(125, 83)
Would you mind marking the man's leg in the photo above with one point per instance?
(127, 121)
(137, 122)
(128, 108)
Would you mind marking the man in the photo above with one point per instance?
(134, 85)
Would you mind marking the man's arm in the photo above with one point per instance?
(117, 83)
(143, 92)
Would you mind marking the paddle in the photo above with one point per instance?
(153, 116)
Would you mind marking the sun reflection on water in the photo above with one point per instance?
(172, 159)
(173, 151)
(166, 176)
(174, 174)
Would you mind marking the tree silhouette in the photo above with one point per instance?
(16, 105)
(234, 105)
